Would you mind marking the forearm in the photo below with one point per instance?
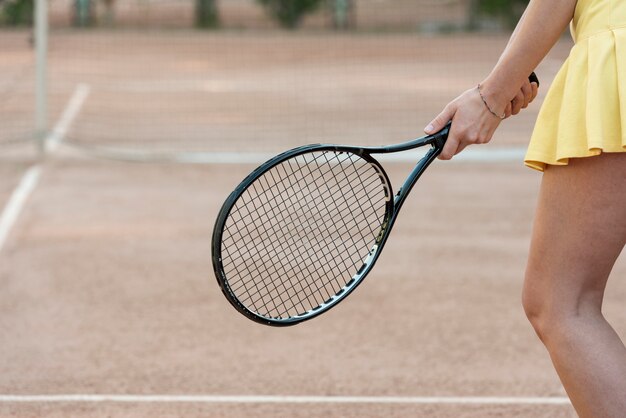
(538, 30)
(517, 28)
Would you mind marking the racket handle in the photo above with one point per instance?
(439, 138)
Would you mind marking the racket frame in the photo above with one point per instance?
(392, 208)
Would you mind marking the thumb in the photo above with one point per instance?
(440, 121)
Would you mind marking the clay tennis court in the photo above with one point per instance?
(108, 304)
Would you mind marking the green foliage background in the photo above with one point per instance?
(510, 10)
(206, 14)
(500, 6)
(16, 12)
(289, 13)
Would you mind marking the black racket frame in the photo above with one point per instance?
(393, 206)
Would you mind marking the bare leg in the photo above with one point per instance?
(580, 230)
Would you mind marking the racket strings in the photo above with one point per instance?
(300, 232)
(308, 209)
(290, 262)
(291, 265)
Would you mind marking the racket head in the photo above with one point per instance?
(301, 232)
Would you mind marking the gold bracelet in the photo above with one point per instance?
(501, 117)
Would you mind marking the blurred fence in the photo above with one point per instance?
(143, 83)
(248, 14)
(164, 92)
(17, 88)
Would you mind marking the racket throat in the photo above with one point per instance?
(410, 181)
(399, 197)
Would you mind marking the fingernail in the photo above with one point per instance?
(429, 129)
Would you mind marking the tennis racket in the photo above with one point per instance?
(303, 230)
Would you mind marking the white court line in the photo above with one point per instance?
(31, 177)
(210, 399)
(493, 155)
(475, 155)
(472, 154)
(72, 109)
(469, 155)
(16, 202)
(478, 154)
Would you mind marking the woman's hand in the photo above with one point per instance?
(473, 123)
(524, 97)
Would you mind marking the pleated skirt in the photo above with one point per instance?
(584, 112)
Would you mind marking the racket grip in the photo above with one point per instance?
(439, 138)
(533, 78)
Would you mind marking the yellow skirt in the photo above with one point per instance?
(584, 112)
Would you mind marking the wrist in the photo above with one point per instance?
(500, 116)
(494, 96)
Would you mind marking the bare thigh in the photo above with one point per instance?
(580, 230)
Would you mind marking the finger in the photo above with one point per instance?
(451, 146)
(535, 88)
(440, 121)
(460, 148)
(527, 91)
(517, 103)
(508, 111)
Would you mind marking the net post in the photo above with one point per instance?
(41, 88)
